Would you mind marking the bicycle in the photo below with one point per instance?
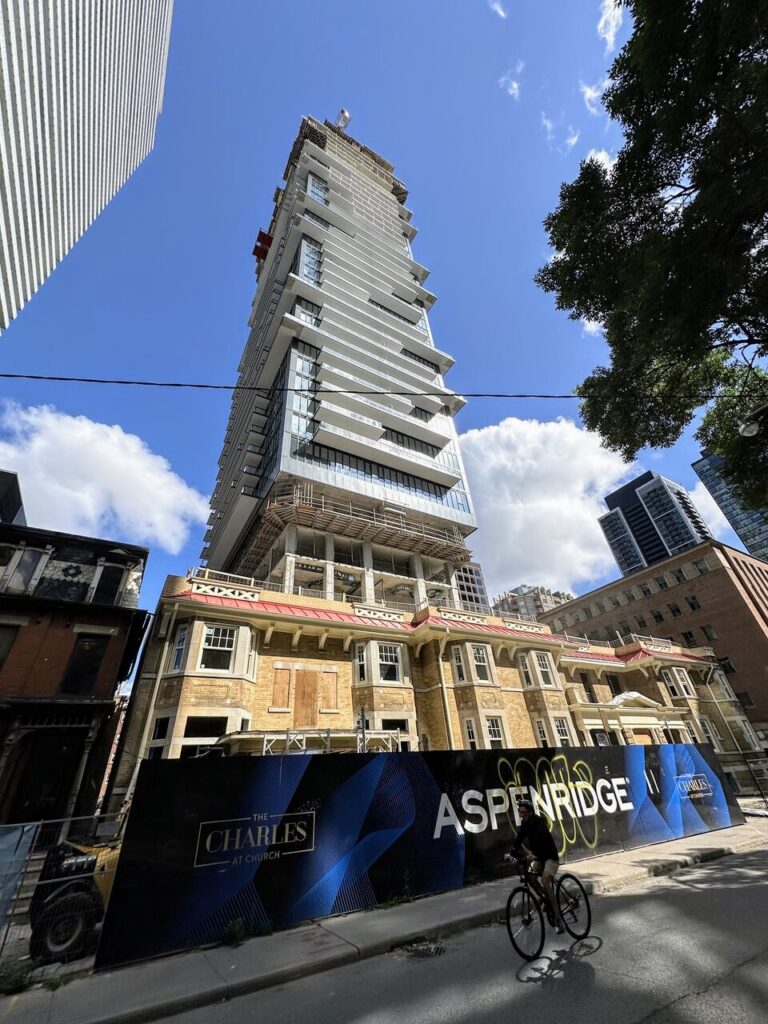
(528, 903)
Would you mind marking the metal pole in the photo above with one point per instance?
(362, 725)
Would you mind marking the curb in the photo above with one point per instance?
(225, 991)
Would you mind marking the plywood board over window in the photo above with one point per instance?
(305, 700)
(281, 687)
(329, 690)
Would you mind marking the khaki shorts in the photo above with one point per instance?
(550, 869)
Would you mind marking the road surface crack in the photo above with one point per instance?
(719, 980)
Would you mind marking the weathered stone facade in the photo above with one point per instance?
(258, 672)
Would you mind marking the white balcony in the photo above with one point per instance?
(395, 418)
(336, 415)
(335, 215)
(367, 371)
(338, 378)
(387, 454)
(364, 322)
(393, 275)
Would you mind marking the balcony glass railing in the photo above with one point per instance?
(395, 449)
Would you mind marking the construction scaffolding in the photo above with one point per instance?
(259, 743)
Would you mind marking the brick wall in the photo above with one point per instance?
(41, 651)
(731, 604)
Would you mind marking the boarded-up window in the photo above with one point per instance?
(305, 699)
(281, 685)
(329, 690)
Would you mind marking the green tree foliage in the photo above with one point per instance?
(668, 248)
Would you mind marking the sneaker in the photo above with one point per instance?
(559, 928)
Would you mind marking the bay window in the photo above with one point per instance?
(218, 648)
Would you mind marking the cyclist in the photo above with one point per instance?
(535, 842)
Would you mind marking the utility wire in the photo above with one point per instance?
(266, 390)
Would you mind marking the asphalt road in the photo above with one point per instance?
(692, 949)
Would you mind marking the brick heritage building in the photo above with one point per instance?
(70, 631)
(339, 590)
(233, 665)
(711, 594)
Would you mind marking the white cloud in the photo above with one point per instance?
(559, 140)
(510, 85)
(548, 126)
(603, 157)
(497, 8)
(79, 476)
(571, 138)
(593, 94)
(609, 24)
(710, 511)
(510, 80)
(538, 490)
(591, 327)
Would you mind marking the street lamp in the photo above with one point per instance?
(751, 425)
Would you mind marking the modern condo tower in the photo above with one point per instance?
(651, 518)
(751, 525)
(81, 86)
(341, 472)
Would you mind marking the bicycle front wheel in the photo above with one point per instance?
(525, 923)
(574, 906)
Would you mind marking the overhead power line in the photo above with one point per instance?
(266, 391)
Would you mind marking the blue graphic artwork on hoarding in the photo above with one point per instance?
(675, 793)
(647, 822)
(203, 909)
(342, 855)
(361, 822)
(270, 842)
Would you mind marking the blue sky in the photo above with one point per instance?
(484, 109)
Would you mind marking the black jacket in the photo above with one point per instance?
(535, 835)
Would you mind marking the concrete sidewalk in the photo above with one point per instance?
(159, 988)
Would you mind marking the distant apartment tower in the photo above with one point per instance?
(650, 519)
(751, 526)
(81, 89)
(471, 586)
(529, 602)
(341, 476)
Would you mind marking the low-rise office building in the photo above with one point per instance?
(711, 594)
(233, 665)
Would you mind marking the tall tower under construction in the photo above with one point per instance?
(340, 472)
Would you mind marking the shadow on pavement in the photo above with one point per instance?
(653, 948)
(545, 969)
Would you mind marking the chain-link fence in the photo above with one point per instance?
(55, 879)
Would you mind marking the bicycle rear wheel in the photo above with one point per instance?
(525, 923)
(574, 906)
